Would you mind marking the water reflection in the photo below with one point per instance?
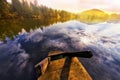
(11, 27)
(17, 57)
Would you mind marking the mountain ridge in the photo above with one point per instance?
(97, 15)
(93, 16)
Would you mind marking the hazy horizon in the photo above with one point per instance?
(76, 6)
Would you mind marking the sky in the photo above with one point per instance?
(81, 5)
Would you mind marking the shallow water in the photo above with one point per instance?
(18, 56)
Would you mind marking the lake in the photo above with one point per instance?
(11, 27)
(32, 44)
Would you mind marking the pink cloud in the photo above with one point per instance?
(80, 5)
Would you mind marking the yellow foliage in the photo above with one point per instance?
(93, 16)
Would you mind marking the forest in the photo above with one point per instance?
(23, 9)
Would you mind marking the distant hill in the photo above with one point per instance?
(93, 16)
(114, 17)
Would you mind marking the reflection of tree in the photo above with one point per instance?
(11, 27)
(27, 15)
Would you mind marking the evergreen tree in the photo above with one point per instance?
(4, 9)
(17, 7)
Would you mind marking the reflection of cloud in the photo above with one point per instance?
(17, 58)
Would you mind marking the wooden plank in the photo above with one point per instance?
(42, 66)
(65, 69)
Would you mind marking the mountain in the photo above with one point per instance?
(93, 16)
(114, 17)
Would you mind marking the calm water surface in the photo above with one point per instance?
(11, 27)
(18, 56)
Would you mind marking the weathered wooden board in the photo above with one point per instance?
(65, 69)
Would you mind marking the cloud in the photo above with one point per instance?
(80, 5)
(18, 57)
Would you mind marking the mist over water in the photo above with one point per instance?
(18, 56)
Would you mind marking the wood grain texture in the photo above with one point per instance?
(65, 69)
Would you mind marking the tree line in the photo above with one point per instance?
(23, 9)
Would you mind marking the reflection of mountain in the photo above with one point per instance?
(93, 16)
